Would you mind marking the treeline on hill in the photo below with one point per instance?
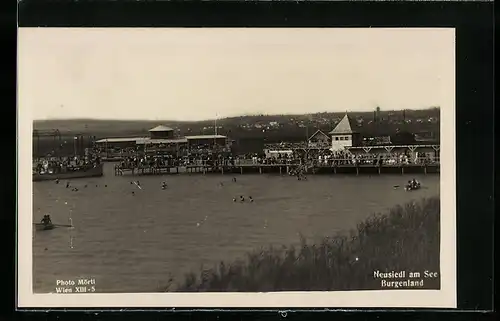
(292, 128)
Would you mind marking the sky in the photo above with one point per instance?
(194, 74)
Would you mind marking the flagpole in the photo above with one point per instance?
(215, 131)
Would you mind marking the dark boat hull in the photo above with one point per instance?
(43, 227)
(92, 172)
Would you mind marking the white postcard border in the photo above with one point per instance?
(444, 298)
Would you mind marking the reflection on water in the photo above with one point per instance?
(133, 240)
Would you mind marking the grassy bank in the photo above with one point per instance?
(405, 238)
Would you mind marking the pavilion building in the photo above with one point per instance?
(162, 138)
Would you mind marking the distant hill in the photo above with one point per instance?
(250, 133)
(255, 126)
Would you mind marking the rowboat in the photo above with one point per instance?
(412, 188)
(50, 226)
(43, 227)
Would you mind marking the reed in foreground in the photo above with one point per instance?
(404, 239)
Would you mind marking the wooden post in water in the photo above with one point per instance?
(260, 169)
(425, 169)
(357, 170)
(222, 170)
(402, 170)
(280, 170)
(241, 170)
(379, 170)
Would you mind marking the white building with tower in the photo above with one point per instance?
(344, 135)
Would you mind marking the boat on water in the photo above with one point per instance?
(78, 172)
(48, 225)
(43, 227)
(412, 188)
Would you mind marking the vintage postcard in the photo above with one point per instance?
(244, 167)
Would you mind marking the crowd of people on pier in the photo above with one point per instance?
(282, 153)
(316, 158)
(336, 158)
(55, 165)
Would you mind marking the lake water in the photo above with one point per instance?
(136, 242)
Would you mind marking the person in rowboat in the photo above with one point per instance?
(46, 220)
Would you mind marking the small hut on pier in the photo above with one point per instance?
(344, 135)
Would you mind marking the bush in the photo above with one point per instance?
(406, 238)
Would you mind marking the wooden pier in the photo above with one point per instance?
(284, 169)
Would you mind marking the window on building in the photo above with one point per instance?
(341, 137)
(336, 138)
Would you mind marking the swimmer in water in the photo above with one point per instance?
(234, 179)
(242, 198)
(234, 199)
(250, 198)
(133, 193)
(67, 184)
(105, 185)
(85, 186)
(57, 180)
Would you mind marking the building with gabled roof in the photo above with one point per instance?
(345, 135)
(319, 140)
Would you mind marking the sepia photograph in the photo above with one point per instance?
(236, 167)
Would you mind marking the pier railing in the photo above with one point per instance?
(282, 162)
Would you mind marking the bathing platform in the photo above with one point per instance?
(283, 169)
